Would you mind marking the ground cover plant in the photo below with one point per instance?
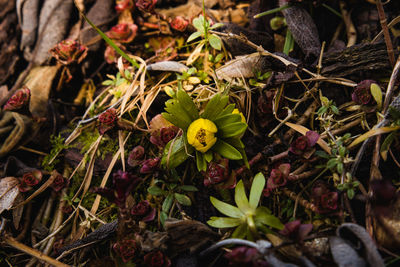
(199, 133)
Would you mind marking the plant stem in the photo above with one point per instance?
(271, 11)
(386, 34)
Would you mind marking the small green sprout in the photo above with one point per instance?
(173, 192)
(247, 217)
(203, 27)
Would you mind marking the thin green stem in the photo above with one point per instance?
(332, 10)
(108, 40)
(271, 11)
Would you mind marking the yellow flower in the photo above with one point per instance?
(200, 134)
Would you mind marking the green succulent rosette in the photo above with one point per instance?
(217, 129)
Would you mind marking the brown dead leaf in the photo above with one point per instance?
(8, 193)
(39, 81)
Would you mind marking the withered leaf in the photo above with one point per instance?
(303, 29)
(8, 193)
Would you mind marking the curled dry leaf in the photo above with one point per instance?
(53, 22)
(28, 19)
(355, 234)
(8, 193)
(168, 66)
(343, 254)
(39, 81)
(241, 67)
(303, 29)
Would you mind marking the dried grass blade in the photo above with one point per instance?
(89, 172)
(96, 202)
(371, 133)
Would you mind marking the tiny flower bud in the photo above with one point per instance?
(121, 5)
(69, 51)
(179, 23)
(135, 156)
(123, 32)
(126, 249)
(146, 5)
(217, 172)
(107, 120)
(143, 211)
(18, 100)
(149, 165)
(29, 180)
(362, 92)
(329, 201)
(296, 231)
(156, 259)
(59, 183)
(278, 176)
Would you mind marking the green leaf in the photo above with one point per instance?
(232, 130)
(208, 155)
(262, 209)
(235, 142)
(269, 220)
(227, 119)
(335, 110)
(194, 36)
(219, 57)
(182, 199)
(289, 43)
(256, 190)
(211, 105)
(163, 217)
(175, 152)
(198, 23)
(342, 151)
(339, 167)
(188, 188)
(226, 208)
(201, 161)
(187, 103)
(226, 150)
(322, 154)
(215, 106)
(386, 145)
(350, 193)
(174, 107)
(240, 231)
(167, 202)
(175, 121)
(227, 110)
(376, 93)
(322, 110)
(155, 190)
(107, 82)
(215, 41)
(223, 222)
(216, 25)
(331, 163)
(240, 197)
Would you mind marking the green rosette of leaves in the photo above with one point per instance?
(247, 217)
(215, 130)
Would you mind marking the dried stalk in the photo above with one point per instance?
(33, 252)
(386, 34)
(304, 203)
